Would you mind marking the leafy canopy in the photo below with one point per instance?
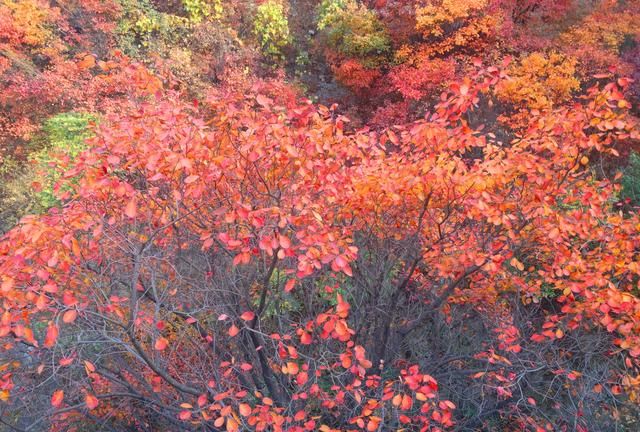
(187, 226)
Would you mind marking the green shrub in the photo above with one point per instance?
(202, 9)
(271, 27)
(141, 26)
(328, 10)
(65, 135)
(631, 180)
(62, 135)
(354, 31)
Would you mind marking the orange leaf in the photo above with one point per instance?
(342, 330)
(7, 284)
(161, 343)
(66, 361)
(245, 410)
(305, 338)
(89, 367)
(57, 398)
(191, 179)
(292, 368)
(131, 210)
(406, 402)
(233, 330)
(517, 264)
(248, 316)
(372, 425)
(69, 316)
(91, 401)
(75, 247)
(285, 243)
(232, 424)
(52, 336)
(87, 62)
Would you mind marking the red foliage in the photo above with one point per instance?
(391, 113)
(356, 76)
(419, 80)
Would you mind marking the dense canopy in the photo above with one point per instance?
(332, 215)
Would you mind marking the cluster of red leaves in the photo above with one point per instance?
(356, 76)
(421, 79)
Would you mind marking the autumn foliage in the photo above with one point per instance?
(221, 252)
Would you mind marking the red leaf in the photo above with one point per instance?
(288, 287)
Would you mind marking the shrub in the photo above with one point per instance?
(631, 180)
(62, 138)
(202, 9)
(540, 80)
(142, 27)
(354, 31)
(354, 75)
(421, 77)
(435, 17)
(271, 27)
(456, 24)
(65, 135)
